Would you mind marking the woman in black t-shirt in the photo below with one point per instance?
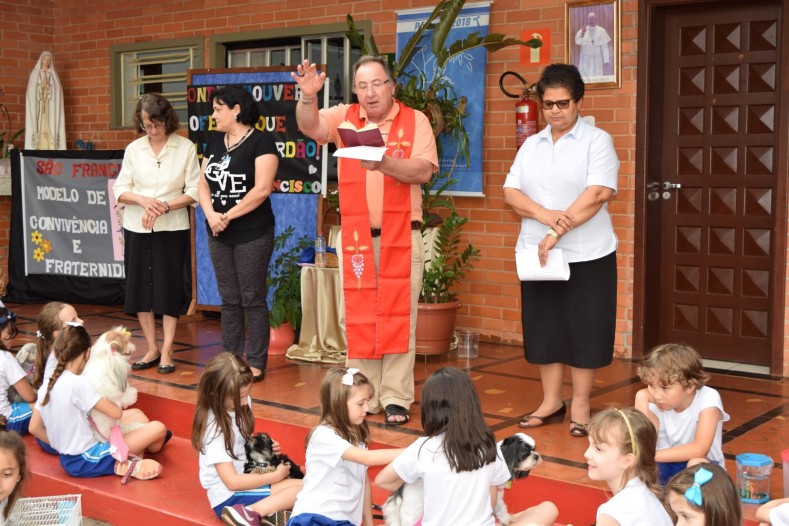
(239, 165)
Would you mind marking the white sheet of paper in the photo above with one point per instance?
(363, 153)
(528, 263)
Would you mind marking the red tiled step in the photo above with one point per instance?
(169, 499)
(176, 497)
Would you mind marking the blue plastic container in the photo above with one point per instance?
(753, 477)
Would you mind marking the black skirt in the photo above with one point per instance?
(155, 264)
(572, 322)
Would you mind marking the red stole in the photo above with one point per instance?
(377, 312)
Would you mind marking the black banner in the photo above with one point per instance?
(29, 286)
(300, 167)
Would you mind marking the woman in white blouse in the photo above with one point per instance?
(560, 184)
(157, 183)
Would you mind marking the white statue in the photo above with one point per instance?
(45, 124)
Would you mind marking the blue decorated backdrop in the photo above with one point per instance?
(300, 211)
(466, 73)
(295, 203)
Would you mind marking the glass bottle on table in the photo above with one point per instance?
(320, 251)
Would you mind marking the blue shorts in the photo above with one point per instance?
(313, 519)
(246, 497)
(19, 419)
(47, 448)
(666, 470)
(95, 462)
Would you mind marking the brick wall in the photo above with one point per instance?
(80, 32)
(26, 30)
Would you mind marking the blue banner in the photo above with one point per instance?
(466, 74)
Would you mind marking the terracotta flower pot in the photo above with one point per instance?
(281, 338)
(435, 326)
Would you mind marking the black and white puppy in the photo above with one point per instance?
(261, 457)
(405, 506)
(519, 451)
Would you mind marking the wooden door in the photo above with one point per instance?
(711, 179)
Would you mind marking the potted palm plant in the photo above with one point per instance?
(431, 92)
(284, 278)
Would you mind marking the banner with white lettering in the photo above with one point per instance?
(65, 242)
(466, 74)
(301, 164)
(71, 225)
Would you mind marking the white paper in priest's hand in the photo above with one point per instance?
(529, 269)
(363, 153)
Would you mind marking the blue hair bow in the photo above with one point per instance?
(693, 493)
(8, 317)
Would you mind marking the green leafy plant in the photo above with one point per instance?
(7, 137)
(284, 277)
(433, 198)
(431, 91)
(450, 264)
(332, 202)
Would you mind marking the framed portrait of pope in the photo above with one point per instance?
(592, 31)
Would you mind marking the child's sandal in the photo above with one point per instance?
(141, 469)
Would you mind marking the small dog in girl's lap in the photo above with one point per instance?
(262, 459)
(405, 506)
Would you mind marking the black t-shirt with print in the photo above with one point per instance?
(230, 177)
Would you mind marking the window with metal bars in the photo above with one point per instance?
(159, 67)
(334, 50)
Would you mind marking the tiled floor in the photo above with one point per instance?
(508, 386)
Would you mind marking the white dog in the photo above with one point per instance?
(405, 506)
(108, 370)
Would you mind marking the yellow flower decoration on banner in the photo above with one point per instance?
(38, 254)
(37, 237)
(46, 246)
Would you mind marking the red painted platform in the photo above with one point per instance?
(176, 497)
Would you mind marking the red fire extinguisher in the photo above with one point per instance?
(525, 109)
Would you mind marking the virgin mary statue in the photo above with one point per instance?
(45, 124)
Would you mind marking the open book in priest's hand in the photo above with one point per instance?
(369, 135)
(366, 143)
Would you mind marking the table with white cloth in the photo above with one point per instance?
(322, 337)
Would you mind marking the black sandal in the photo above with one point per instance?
(556, 416)
(578, 430)
(396, 410)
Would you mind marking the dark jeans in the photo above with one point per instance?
(241, 272)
